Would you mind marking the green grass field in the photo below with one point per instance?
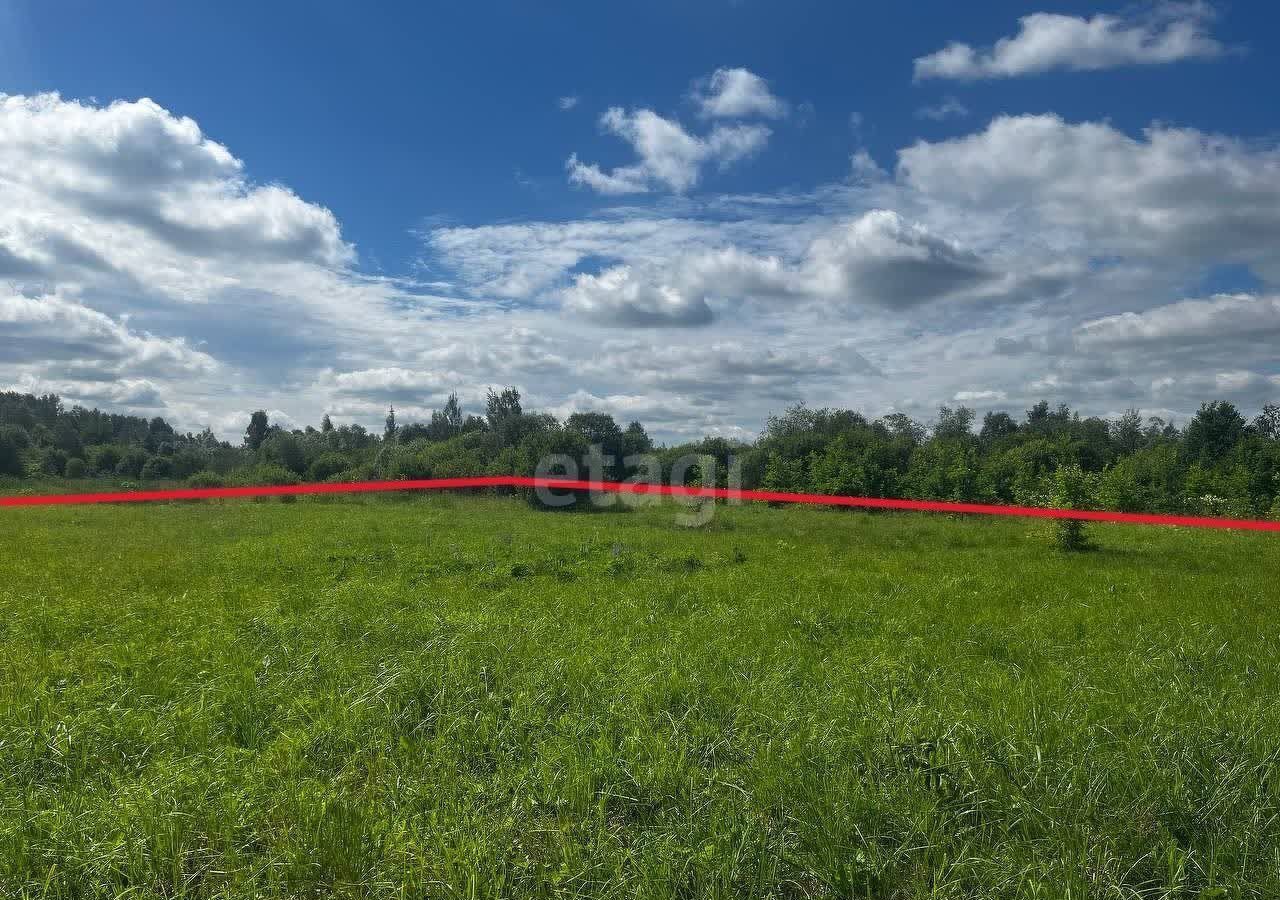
(460, 696)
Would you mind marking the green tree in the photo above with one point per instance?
(1073, 488)
(13, 440)
(501, 406)
(389, 428)
(954, 424)
(1126, 432)
(257, 431)
(997, 427)
(285, 450)
(1213, 433)
(1267, 423)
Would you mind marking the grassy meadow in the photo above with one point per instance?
(459, 696)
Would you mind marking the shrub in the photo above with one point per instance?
(131, 463)
(285, 451)
(13, 440)
(1073, 488)
(155, 467)
(328, 465)
(75, 468)
(205, 480)
(267, 474)
(105, 459)
(53, 461)
(185, 463)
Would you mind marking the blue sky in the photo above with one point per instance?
(831, 217)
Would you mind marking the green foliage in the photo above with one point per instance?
(327, 465)
(286, 451)
(132, 462)
(782, 474)
(455, 696)
(13, 441)
(1218, 463)
(257, 430)
(206, 480)
(52, 461)
(267, 474)
(1073, 488)
(156, 467)
(105, 459)
(1214, 432)
(75, 468)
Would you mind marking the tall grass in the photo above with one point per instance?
(463, 697)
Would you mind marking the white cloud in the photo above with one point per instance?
(1045, 41)
(882, 258)
(737, 94)
(877, 258)
(567, 102)
(1216, 321)
(949, 108)
(134, 168)
(618, 297)
(981, 397)
(669, 157)
(142, 268)
(1175, 192)
(134, 248)
(52, 329)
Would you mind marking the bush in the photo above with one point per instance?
(131, 463)
(155, 467)
(53, 461)
(267, 474)
(105, 459)
(13, 440)
(185, 463)
(328, 465)
(206, 480)
(285, 451)
(1073, 488)
(270, 475)
(75, 468)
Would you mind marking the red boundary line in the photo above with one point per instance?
(361, 487)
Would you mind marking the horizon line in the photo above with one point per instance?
(627, 487)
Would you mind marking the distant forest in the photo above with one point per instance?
(1220, 463)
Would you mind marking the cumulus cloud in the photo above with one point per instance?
(1045, 41)
(737, 94)
(136, 168)
(884, 259)
(1033, 258)
(1174, 192)
(134, 248)
(1217, 321)
(877, 258)
(618, 297)
(40, 330)
(669, 157)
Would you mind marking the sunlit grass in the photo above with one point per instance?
(449, 696)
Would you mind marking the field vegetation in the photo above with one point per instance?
(1218, 463)
(461, 696)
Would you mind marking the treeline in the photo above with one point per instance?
(1219, 463)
